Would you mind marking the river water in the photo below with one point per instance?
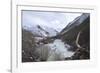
(58, 47)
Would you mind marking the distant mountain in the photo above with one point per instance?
(40, 30)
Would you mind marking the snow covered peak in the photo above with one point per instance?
(41, 30)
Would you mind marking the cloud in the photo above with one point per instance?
(54, 20)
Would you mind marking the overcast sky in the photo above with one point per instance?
(56, 20)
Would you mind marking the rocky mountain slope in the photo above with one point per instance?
(77, 34)
(40, 30)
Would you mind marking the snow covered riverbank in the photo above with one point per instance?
(58, 48)
(54, 51)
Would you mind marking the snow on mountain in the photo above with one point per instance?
(76, 22)
(41, 30)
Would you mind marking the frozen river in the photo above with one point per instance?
(55, 51)
(59, 47)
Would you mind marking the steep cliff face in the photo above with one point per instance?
(76, 22)
(81, 23)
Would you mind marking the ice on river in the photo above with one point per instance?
(55, 51)
(59, 47)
